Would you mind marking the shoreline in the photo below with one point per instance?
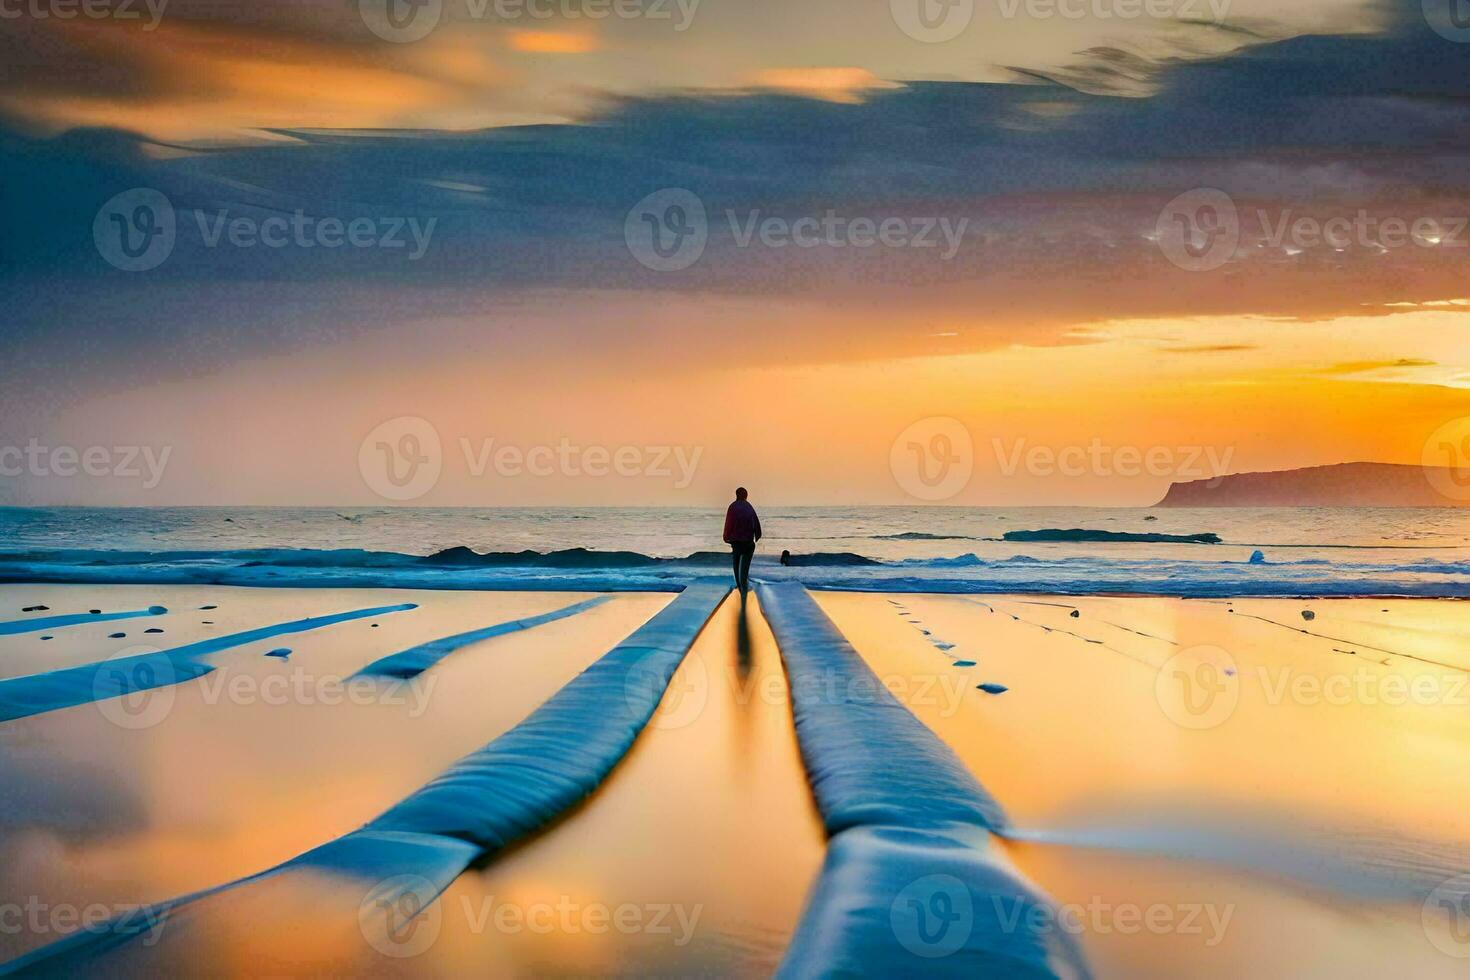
(1075, 578)
(579, 585)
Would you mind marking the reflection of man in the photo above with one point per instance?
(742, 531)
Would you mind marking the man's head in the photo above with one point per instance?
(741, 493)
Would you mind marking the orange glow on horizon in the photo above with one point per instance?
(1259, 395)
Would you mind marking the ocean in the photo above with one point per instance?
(1279, 551)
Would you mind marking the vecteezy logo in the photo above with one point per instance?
(667, 230)
(1198, 687)
(932, 21)
(933, 459)
(1447, 459)
(1450, 19)
(401, 459)
(134, 690)
(1199, 230)
(401, 21)
(1446, 917)
(680, 704)
(933, 916)
(399, 916)
(134, 231)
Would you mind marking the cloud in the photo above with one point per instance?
(67, 797)
(552, 42)
(831, 84)
(196, 77)
(1371, 367)
(1059, 190)
(163, 78)
(1212, 349)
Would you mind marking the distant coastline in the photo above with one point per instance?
(1338, 485)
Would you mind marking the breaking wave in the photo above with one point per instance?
(580, 569)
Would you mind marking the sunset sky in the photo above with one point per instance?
(523, 160)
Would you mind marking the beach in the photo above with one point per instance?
(659, 488)
(1177, 830)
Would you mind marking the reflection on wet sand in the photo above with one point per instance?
(226, 779)
(743, 651)
(704, 842)
(1206, 787)
(1179, 724)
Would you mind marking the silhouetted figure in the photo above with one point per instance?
(742, 531)
(785, 557)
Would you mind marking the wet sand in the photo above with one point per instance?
(708, 824)
(1121, 729)
(227, 775)
(1123, 750)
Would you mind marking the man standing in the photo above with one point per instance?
(742, 531)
